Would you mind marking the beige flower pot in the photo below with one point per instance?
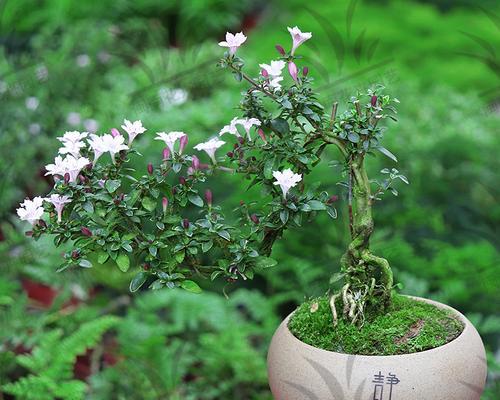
(455, 371)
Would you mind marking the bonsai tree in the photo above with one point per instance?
(111, 214)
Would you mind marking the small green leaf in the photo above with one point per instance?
(153, 250)
(284, 214)
(85, 264)
(238, 76)
(336, 277)
(280, 125)
(353, 137)
(224, 234)
(123, 262)
(88, 206)
(149, 204)
(177, 167)
(195, 199)
(191, 286)
(387, 153)
(138, 281)
(102, 257)
(160, 226)
(265, 262)
(205, 246)
(332, 212)
(179, 256)
(316, 205)
(112, 185)
(127, 247)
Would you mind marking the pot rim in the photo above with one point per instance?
(467, 327)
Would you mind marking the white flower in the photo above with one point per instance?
(31, 210)
(233, 41)
(113, 144)
(97, 145)
(298, 37)
(171, 97)
(35, 129)
(210, 147)
(83, 60)
(73, 137)
(72, 148)
(274, 69)
(275, 83)
(32, 103)
(286, 180)
(58, 202)
(70, 165)
(133, 129)
(231, 128)
(170, 138)
(247, 124)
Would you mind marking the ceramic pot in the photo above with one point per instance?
(455, 371)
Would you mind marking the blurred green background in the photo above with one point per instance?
(68, 65)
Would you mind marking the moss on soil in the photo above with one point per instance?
(409, 326)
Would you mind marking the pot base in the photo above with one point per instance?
(455, 371)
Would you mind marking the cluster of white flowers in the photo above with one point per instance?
(246, 123)
(32, 210)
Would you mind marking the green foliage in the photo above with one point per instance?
(409, 326)
(51, 363)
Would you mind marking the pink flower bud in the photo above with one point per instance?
(146, 267)
(164, 204)
(174, 191)
(332, 199)
(166, 153)
(262, 135)
(115, 132)
(280, 49)
(150, 169)
(195, 163)
(75, 254)
(183, 141)
(182, 180)
(254, 218)
(28, 233)
(86, 232)
(241, 140)
(264, 73)
(42, 224)
(209, 197)
(292, 69)
(204, 166)
(185, 223)
(374, 101)
(305, 71)
(230, 154)
(190, 171)
(66, 178)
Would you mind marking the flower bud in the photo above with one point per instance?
(262, 135)
(86, 231)
(204, 166)
(374, 101)
(305, 71)
(242, 203)
(66, 178)
(185, 223)
(82, 179)
(75, 254)
(292, 69)
(280, 49)
(28, 233)
(89, 167)
(146, 267)
(254, 219)
(264, 73)
(241, 140)
(209, 197)
(182, 180)
(164, 204)
(230, 154)
(115, 132)
(42, 224)
(332, 199)
(150, 169)
(166, 153)
(174, 191)
(183, 141)
(195, 163)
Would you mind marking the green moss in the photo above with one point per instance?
(409, 326)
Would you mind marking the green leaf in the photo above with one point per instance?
(177, 167)
(160, 226)
(284, 214)
(265, 262)
(336, 277)
(387, 153)
(238, 76)
(123, 262)
(280, 125)
(353, 137)
(191, 286)
(112, 185)
(268, 168)
(89, 207)
(149, 204)
(195, 199)
(153, 250)
(205, 246)
(332, 212)
(179, 257)
(85, 264)
(127, 247)
(102, 257)
(316, 205)
(224, 234)
(138, 281)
